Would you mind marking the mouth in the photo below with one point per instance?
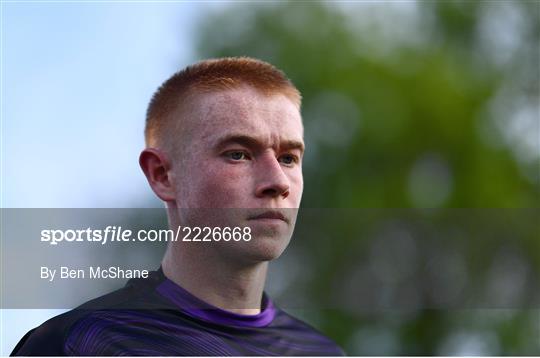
(270, 215)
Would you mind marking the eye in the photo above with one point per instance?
(236, 155)
(288, 159)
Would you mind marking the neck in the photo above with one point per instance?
(204, 272)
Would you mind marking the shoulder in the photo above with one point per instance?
(47, 339)
(305, 334)
(57, 335)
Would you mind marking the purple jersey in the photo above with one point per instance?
(156, 317)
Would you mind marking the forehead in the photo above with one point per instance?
(244, 110)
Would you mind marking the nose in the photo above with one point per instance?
(272, 181)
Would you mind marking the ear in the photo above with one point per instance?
(156, 166)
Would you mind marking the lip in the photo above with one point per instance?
(270, 215)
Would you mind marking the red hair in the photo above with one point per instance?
(208, 76)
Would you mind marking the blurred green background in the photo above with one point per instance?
(435, 109)
(414, 105)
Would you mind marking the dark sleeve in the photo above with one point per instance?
(21, 342)
(49, 338)
(40, 341)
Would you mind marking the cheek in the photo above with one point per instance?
(297, 187)
(297, 179)
(216, 185)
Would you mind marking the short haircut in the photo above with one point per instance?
(210, 76)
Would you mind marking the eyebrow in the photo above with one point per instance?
(253, 142)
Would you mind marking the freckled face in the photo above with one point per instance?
(243, 154)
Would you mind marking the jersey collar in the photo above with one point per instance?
(199, 309)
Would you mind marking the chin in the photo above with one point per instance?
(260, 249)
(267, 249)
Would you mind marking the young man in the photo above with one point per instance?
(224, 147)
